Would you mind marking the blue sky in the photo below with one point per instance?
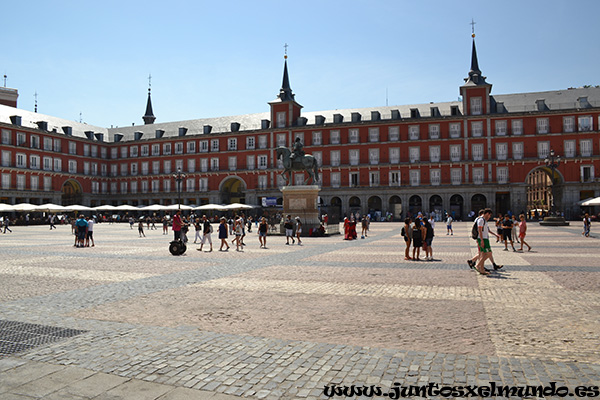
(220, 58)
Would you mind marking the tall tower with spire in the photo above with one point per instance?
(476, 91)
(149, 117)
(285, 111)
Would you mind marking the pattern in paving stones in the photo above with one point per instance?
(285, 321)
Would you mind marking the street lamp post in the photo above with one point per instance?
(179, 176)
(552, 162)
(178, 247)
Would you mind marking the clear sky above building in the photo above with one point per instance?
(91, 60)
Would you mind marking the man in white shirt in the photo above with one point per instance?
(483, 242)
(90, 233)
(449, 225)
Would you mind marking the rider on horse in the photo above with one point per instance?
(297, 150)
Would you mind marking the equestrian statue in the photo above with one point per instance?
(297, 160)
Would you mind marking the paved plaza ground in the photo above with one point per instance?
(126, 320)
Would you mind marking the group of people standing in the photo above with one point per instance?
(418, 233)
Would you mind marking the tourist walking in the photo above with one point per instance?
(407, 235)
(198, 230)
(298, 230)
(206, 231)
(499, 227)
(263, 227)
(507, 226)
(141, 228)
(515, 229)
(238, 226)
(223, 228)
(6, 224)
(449, 230)
(288, 225)
(523, 232)
(365, 227)
(81, 225)
(52, 220)
(90, 232)
(165, 224)
(483, 242)
(587, 225)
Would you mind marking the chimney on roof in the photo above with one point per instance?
(15, 120)
(159, 133)
(182, 131)
(138, 135)
(68, 130)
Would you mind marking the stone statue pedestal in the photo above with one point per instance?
(301, 201)
(554, 221)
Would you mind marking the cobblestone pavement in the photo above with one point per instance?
(283, 322)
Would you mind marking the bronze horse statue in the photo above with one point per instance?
(305, 163)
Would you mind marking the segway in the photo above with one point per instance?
(177, 247)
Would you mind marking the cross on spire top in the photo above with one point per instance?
(472, 27)
(285, 46)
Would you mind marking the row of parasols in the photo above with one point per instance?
(55, 208)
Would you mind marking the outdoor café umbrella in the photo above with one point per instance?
(237, 206)
(50, 207)
(6, 207)
(179, 206)
(77, 207)
(24, 207)
(106, 207)
(591, 202)
(153, 207)
(206, 207)
(126, 207)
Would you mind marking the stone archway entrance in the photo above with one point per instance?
(540, 193)
(71, 193)
(233, 191)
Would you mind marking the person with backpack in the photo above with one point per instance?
(483, 243)
(407, 234)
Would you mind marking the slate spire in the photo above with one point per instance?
(475, 76)
(149, 117)
(285, 94)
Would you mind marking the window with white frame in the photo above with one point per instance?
(318, 155)
(86, 149)
(394, 155)
(394, 133)
(374, 178)
(34, 161)
(354, 156)
(204, 146)
(542, 125)
(145, 150)
(21, 160)
(86, 168)
(334, 137)
(334, 158)
(317, 138)
(144, 186)
(354, 179)
(94, 151)
(587, 173)
(47, 163)
(204, 165)
(123, 152)
(21, 139)
(123, 187)
(373, 156)
(477, 151)
(281, 139)
(124, 169)
(413, 132)
(103, 151)
(394, 178)
(6, 181)
(191, 147)
(455, 130)
(476, 128)
(191, 165)
(435, 177)
(478, 176)
(167, 166)
(232, 144)
(584, 124)
(281, 119)
(414, 154)
(6, 158)
(262, 141)
(203, 184)
(569, 124)
(72, 166)
(502, 174)
(543, 149)
(585, 147)
(178, 165)
(57, 165)
(114, 153)
(133, 151)
(374, 135)
(48, 183)
(47, 143)
(456, 176)
(7, 138)
(434, 131)
(250, 162)
(501, 151)
(94, 167)
(134, 169)
(167, 149)
(501, 128)
(415, 177)
(20, 182)
(155, 186)
(335, 179)
(434, 154)
(155, 167)
(570, 149)
(263, 162)
(114, 170)
(476, 108)
(72, 148)
(516, 126)
(167, 185)
(190, 185)
(232, 163)
(353, 135)
(34, 141)
(214, 145)
(517, 150)
(250, 143)
(133, 187)
(95, 187)
(156, 149)
(262, 182)
(455, 152)
(214, 164)
(104, 187)
(145, 168)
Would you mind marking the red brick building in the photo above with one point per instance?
(458, 156)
